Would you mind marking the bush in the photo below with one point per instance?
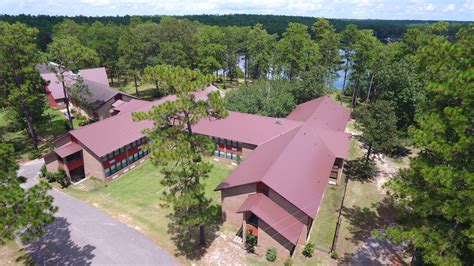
(43, 171)
(34, 154)
(271, 254)
(334, 255)
(60, 177)
(22, 179)
(250, 241)
(288, 262)
(308, 250)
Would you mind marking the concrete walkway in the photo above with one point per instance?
(84, 235)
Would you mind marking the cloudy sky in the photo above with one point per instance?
(376, 9)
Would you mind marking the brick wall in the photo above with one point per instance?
(269, 238)
(231, 199)
(51, 162)
(92, 165)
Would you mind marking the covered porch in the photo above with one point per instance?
(70, 159)
(271, 224)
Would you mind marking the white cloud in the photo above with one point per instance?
(381, 9)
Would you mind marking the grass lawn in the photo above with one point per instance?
(145, 90)
(50, 128)
(12, 254)
(134, 199)
(324, 228)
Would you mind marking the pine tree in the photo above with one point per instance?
(437, 192)
(24, 212)
(179, 152)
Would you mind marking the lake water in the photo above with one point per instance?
(337, 83)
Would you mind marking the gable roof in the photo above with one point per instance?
(247, 128)
(322, 112)
(297, 165)
(98, 75)
(274, 215)
(117, 131)
(54, 86)
(96, 94)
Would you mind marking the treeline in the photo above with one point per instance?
(275, 24)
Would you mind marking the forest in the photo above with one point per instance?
(417, 90)
(274, 24)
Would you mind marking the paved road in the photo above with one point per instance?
(82, 234)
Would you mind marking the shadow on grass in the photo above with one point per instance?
(361, 170)
(186, 238)
(57, 248)
(363, 221)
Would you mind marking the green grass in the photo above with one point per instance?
(322, 234)
(145, 90)
(134, 198)
(51, 127)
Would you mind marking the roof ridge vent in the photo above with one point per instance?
(279, 121)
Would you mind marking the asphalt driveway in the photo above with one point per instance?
(81, 235)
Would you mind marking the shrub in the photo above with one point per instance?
(308, 250)
(43, 171)
(250, 241)
(60, 177)
(288, 262)
(271, 254)
(22, 179)
(34, 154)
(334, 255)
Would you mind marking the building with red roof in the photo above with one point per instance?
(96, 98)
(275, 192)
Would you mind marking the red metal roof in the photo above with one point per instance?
(107, 135)
(67, 149)
(274, 215)
(297, 165)
(54, 86)
(98, 75)
(322, 112)
(247, 128)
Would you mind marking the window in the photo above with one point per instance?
(107, 171)
(122, 150)
(116, 152)
(103, 158)
(119, 166)
(216, 153)
(135, 156)
(124, 162)
(130, 159)
(228, 142)
(113, 169)
(229, 155)
(134, 144)
(140, 154)
(222, 141)
(110, 156)
(129, 146)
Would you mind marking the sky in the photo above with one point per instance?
(359, 9)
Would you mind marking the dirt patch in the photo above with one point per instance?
(223, 251)
(387, 169)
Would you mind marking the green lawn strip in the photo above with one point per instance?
(134, 198)
(325, 224)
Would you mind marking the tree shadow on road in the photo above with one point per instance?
(363, 221)
(57, 248)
